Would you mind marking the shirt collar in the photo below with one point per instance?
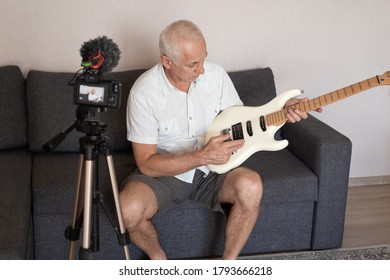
(168, 87)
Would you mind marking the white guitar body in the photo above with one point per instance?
(259, 140)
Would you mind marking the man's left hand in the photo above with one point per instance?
(297, 115)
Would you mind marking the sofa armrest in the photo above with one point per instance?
(328, 154)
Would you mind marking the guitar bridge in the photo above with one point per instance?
(226, 131)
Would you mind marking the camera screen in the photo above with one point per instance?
(91, 94)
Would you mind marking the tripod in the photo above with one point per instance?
(91, 146)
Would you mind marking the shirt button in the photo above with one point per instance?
(190, 118)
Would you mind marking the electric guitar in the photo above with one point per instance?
(258, 125)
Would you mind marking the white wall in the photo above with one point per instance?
(318, 46)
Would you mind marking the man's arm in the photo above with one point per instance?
(216, 151)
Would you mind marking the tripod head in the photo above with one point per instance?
(92, 129)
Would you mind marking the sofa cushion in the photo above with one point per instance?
(54, 186)
(51, 110)
(55, 177)
(13, 120)
(285, 178)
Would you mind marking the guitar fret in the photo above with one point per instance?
(284, 112)
(327, 97)
(269, 121)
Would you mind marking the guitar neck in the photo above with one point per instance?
(279, 117)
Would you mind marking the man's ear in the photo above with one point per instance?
(165, 61)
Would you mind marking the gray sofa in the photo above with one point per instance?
(305, 185)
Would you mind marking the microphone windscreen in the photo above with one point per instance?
(108, 49)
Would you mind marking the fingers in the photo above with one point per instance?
(234, 145)
(296, 115)
(219, 149)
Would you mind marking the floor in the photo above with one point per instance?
(367, 220)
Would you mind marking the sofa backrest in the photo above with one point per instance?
(255, 87)
(51, 109)
(13, 115)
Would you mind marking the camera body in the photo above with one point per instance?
(90, 90)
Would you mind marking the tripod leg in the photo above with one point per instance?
(87, 228)
(77, 208)
(115, 192)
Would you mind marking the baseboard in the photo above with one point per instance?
(369, 181)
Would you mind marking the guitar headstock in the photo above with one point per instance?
(384, 79)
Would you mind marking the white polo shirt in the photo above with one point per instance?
(158, 113)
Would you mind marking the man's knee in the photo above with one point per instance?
(245, 186)
(249, 186)
(137, 203)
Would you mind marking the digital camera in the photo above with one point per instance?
(90, 90)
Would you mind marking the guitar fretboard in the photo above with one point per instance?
(279, 117)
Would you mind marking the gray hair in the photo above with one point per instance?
(173, 33)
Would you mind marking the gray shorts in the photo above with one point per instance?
(171, 191)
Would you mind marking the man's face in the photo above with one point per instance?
(190, 64)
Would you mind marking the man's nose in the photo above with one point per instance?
(200, 68)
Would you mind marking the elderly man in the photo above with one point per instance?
(169, 110)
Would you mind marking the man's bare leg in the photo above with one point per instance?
(243, 189)
(139, 205)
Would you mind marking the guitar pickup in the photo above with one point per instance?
(262, 124)
(249, 129)
(237, 131)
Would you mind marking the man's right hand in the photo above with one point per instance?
(219, 149)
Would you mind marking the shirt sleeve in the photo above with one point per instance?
(142, 126)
